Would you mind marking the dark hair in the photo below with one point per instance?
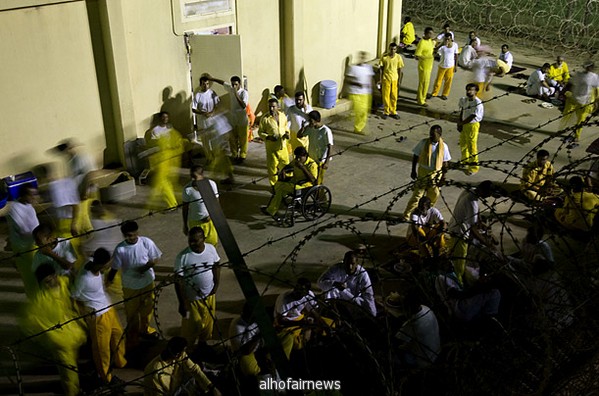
(278, 88)
(235, 79)
(100, 258)
(26, 189)
(196, 169)
(44, 271)
(423, 200)
(129, 226)
(392, 45)
(161, 113)
(448, 35)
(315, 115)
(304, 282)
(273, 100)
(407, 19)
(300, 151)
(174, 347)
(435, 128)
(197, 230)
(300, 93)
(42, 229)
(542, 153)
(506, 46)
(428, 29)
(576, 183)
(203, 79)
(446, 25)
(486, 185)
(472, 85)
(545, 66)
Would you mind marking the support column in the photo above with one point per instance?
(116, 74)
(394, 20)
(292, 46)
(381, 34)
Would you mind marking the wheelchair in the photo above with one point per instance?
(311, 202)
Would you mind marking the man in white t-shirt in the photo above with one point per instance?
(239, 99)
(359, 81)
(297, 115)
(537, 86)
(426, 229)
(506, 56)
(195, 213)
(320, 140)
(57, 252)
(471, 114)
(419, 335)
(464, 225)
(467, 56)
(582, 97)
(198, 274)
(431, 155)
(448, 65)
(105, 330)
(136, 257)
(22, 220)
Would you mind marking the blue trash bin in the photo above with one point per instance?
(328, 94)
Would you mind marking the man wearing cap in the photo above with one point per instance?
(581, 98)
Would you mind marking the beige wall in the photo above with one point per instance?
(157, 64)
(258, 26)
(49, 89)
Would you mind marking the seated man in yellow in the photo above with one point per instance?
(408, 33)
(426, 229)
(579, 208)
(537, 176)
(558, 74)
(305, 172)
(174, 373)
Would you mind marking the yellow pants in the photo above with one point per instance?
(458, 254)
(106, 333)
(221, 164)
(581, 111)
(361, 104)
(249, 365)
(321, 173)
(276, 159)
(445, 76)
(200, 321)
(481, 89)
(469, 145)
(295, 142)
(281, 190)
(389, 93)
(425, 68)
(210, 234)
(139, 312)
(427, 183)
(163, 189)
(434, 240)
(239, 141)
(69, 377)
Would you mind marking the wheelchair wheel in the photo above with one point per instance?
(316, 202)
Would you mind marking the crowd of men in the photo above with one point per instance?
(62, 284)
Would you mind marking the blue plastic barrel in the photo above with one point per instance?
(328, 94)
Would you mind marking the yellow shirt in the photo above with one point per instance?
(424, 49)
(408, 34)
(163, 378)
(534, 177)
(390, 66)
(299, 178)
(269, 128)
(579, 211)
(559, 73)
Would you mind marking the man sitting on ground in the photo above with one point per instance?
(558, 74)
(305, 172)
(537, 86)
(349, 281)
(173, 373)
(580, 207)
(537, 176)
(426, 229)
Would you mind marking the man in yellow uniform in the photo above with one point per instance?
(537, 176)
(390, 70)
(305, 172)
(174, 373)
(580, 100)
(274, 131)
(424, 56)
(431, 155)
(408, 33)
(559, 72)
(580, 208)
(471, 114)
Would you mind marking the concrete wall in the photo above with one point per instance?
(258, 25)
(157, 64)
(49, 90)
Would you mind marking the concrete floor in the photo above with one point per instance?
(366, 176)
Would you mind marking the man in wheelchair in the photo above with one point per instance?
(299, 174)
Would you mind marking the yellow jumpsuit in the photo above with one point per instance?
(200, 321)
(272, 130)
(298, 181)
(424, 52)
(162, 163)
(390, 81)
